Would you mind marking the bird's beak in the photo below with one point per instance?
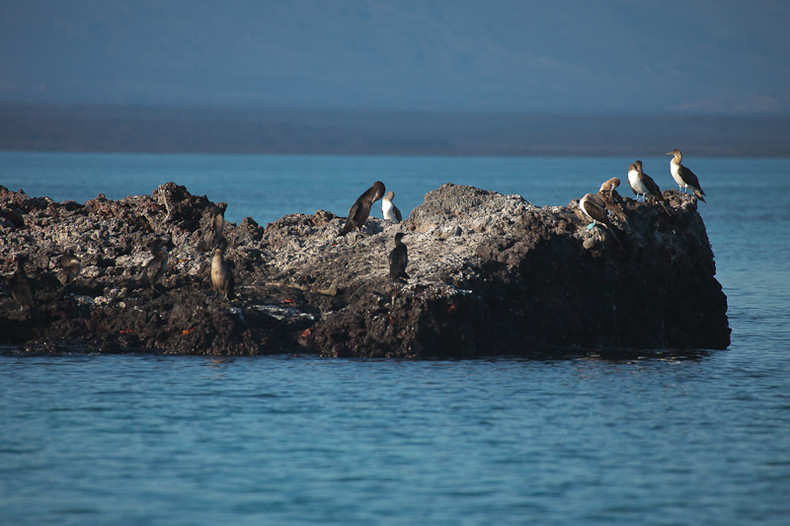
(670, 153)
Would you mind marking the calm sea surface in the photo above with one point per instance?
(697, 438)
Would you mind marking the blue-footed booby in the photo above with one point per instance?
(360, 210)
(641, 183)
(594, 209)
(684, 177)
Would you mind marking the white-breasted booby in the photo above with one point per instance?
(388, 209)
(360, 210)
(595, 210)
(221, 275)
(641, 183)
(684, 177)
(398, 259)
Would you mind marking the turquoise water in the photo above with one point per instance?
(699, 438)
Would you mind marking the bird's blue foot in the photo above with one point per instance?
(591, 225)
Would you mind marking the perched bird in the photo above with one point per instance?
(221, 275)
(360, 210)
(155, 268)
(70, 267)
(398, 259)
(609, 186)
(611, 198)
(21, 286)
(388, 209)
(684, 177)
(593, 208)
(641, 183)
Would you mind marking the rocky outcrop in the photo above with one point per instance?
(489, 275)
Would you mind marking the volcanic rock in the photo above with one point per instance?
(489, 275)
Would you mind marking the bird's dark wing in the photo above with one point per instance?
(690, 178)
(353, 212)
(651, 185)
(612, 205)
(595, 210)
(397, 213)
(351, 221)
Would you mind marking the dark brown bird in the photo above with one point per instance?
(398, 259)
(156, 267)
(221, 275)
(21, 286)
(611, 199)
(360, 210)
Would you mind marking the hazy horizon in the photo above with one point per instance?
(282, 131)
(620, 56)
(467, 77)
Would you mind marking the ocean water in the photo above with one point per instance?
(700, 437)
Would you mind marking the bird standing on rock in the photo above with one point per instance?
(398, 259)
(155, 268)
(388, 209)
(612, 199)
(641, 183)
(360, 210)
(221, 275)
(684, 177)
(593, 208)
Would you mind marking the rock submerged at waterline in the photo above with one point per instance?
(489, 274)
